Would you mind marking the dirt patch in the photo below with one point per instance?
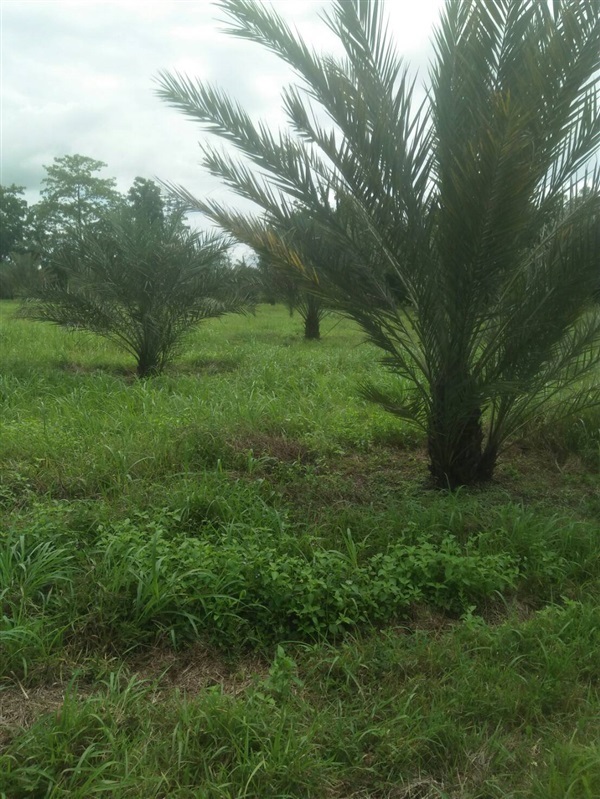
(356, 479)
(387, 467)
(20, 707)
(522, 475)
(197, 668)
(536, 475)
(427, 619)
(284, 450)
(420, 788)
(188, 672)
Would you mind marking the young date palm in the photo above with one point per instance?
(451, 205)
(285, 284)
(141, 282)
(295, 282)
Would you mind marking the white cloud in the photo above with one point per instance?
(78, 77)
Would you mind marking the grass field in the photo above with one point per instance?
(233, 581)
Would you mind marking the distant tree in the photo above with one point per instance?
(145, 198)
(453, 198)
(312, 310)
(289, 286)
(247, 279)
(584, 195)
(73, 197)
(285, 281)
(19, 259)
(19, 275)
(140, 281)
(277, 285)
(174, 205)
(13, 219)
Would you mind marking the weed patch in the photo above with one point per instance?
(232, 581)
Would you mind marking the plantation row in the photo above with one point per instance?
(232, 578)
(461, 234)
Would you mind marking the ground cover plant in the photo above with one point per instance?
(223, 582)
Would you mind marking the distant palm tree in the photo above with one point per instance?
(140, 281)
(283, 283)
(295, 283)
(450, 206)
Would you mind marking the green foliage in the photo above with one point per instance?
(36, 585)
(574, 772)
(580, 435)
(18, 265)
(13, 220)
(141, 281)
(73, 197)
(19, 275)
(226, 582)
(113, 744)
(239, 573)
(283, 676)
(476, 709)
(451, 206)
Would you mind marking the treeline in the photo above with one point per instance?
(76, 201)
(38, 243)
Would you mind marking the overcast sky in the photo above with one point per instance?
(78, 77)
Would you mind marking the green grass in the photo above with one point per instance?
(232, 581)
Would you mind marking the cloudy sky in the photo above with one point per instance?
(78, 77)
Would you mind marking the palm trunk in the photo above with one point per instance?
(455, 439)
(147, 366)
(148, 357)
(312, 328)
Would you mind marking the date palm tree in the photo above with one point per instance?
(141, 281)
(296, 286)
(450, 204)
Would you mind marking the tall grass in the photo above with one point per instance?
(250, 508)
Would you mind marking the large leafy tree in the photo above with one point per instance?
(451, 204)
(144, 198)
(73, 196)
(140, 281)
